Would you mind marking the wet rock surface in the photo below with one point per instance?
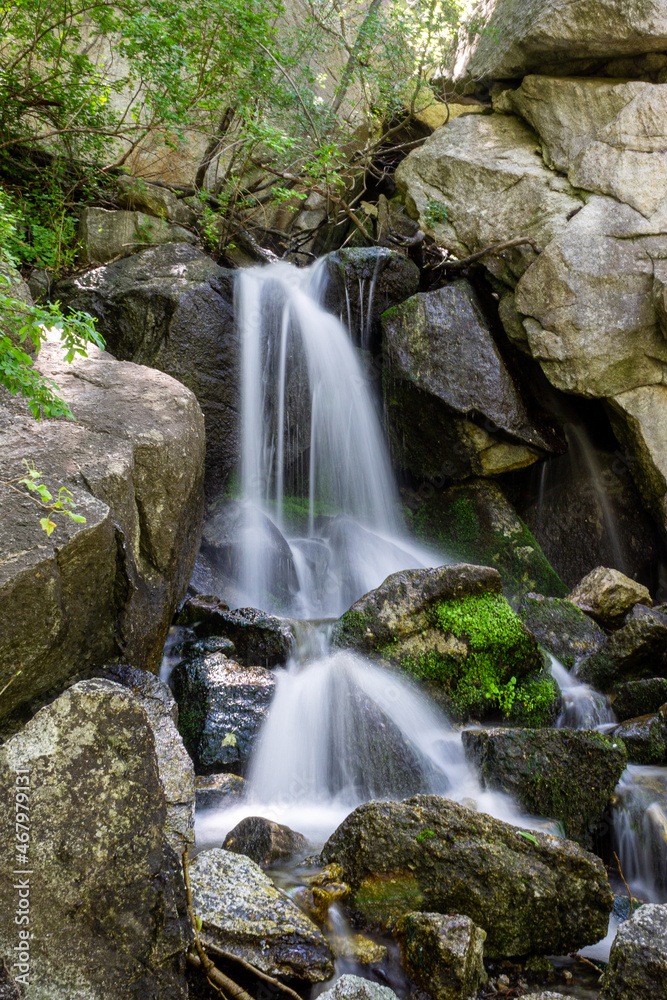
(561, 627)
(356, 988)
(257, 637)
(264, 841)
(636, 651)
(243, 913)
(645, 738)
(532, 895)
(635, 698)
(563, 774)
(443, 953)
(607, 595)
(637, 967)
(215, 790)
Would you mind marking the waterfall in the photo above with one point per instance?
(583, 706)
(640, 830)
(314, 463)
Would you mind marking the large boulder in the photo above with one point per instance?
(532, 894)
(443, 953)
(637, 967)
(171, 307)
(564, 774)
(561, 627)
(107, 589)
(135, 193)
(243, 913)
(634, 698)
(450, 627)
(477, 182)
(607, 595)
(221, 707)
(104, 234)
(475, 523)
(634, 652)
(639, 419)
(257, 638)
(264, 841)
(505, 39)
(103, 893)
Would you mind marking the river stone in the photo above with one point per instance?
(443, 953)
(564, 774)
(483, 174)
(136, 193)
(634, 698)
(645, 738)
(356, 988)
(474, 522)
(213, 791)
(108, 916)
(636, 651)
(639, 420)
(560, 36)
(107, 589)
(561, 627)
(607, 595)
(171, 307)
(176, 770)
(264, 841)
(243, 913)
(637, 967)
(441, 343)
(590, 317)
(105, 234)
(431, 854)
(221, 707)
(452, 628)
(257, 638)
(361, 282)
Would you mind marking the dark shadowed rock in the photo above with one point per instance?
(637, 967)
(532, 895)
(645, 738)
(561, 628)
(215, 790)
(264, 841)
(636, 698)
(257, 637)
(443, 953)
(636, 651)
(568, 775)
(108, 915)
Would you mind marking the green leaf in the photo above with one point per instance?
(47, 525)
(75, 517)
(529, 836)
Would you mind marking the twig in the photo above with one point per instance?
(9, 682)
(255, 971)
(587, 961)
(454, 265)
(620, 872)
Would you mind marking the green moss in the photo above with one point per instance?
(537, 701)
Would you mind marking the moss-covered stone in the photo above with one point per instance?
(563, 774)
(452, 629)
(475, 522)
(645, 739)
(537, 701)
(561, 628)
(636, 651)
(636, 698)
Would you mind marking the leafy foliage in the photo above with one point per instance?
(37, 492)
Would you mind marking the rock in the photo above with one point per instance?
(544, 995)
(264, 841)
(364, 281)
(443, 953)
(607, 595)
(635, 698)
(639, 419)
(636, 651)
(438, 347)
(474, 522)
(257, 638)
(532, 895)
(171, 307)
(108, 915)
(215, 790)
(452, 628)
(105, 234)
(590, 318)
(559, 36)
(477, 182)
(316, 899)
(13, 285)
(221, 707)
(360, 949)
(637, 967)
(561, 627)
(175, 768)
(355, 988)
(243, 913)
(608, 136)
(564, 774)
(107, 589)
(136, 193)
(645, 738)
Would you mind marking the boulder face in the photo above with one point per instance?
(645, 738)
(639, 419)
(170, 307)
(638, 961)
(443, 953)
(558, 36)
(356, 988)
(452, 628)
(563, 774)
(607, 595)
(257, 638)
(105, 234)
(264, 841)
(107, 589)
(634, 652)
(532, 895)
(243, 913)
(636, 698)
(108, 916)
(561, 627)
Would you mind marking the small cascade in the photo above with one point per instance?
(640, 830)
(583, 706)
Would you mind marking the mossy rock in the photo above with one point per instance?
(645, 739)
(452, 629)
(564, 774)
(634, 698)
(475, 522)
(637, 651)
(561, 628)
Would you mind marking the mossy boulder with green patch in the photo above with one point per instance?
(563, 774)
(452, 629)
(561, 627)
(634, 698)
(532, 893)
(476, 523)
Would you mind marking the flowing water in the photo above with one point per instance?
(640, 830)
(583, 706)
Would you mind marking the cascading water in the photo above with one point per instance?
(309, 428)
(640, 830)
(583, 706)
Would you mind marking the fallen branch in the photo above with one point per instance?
(620, 872)
(10, 681)
(455, 265)
(255, 971)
